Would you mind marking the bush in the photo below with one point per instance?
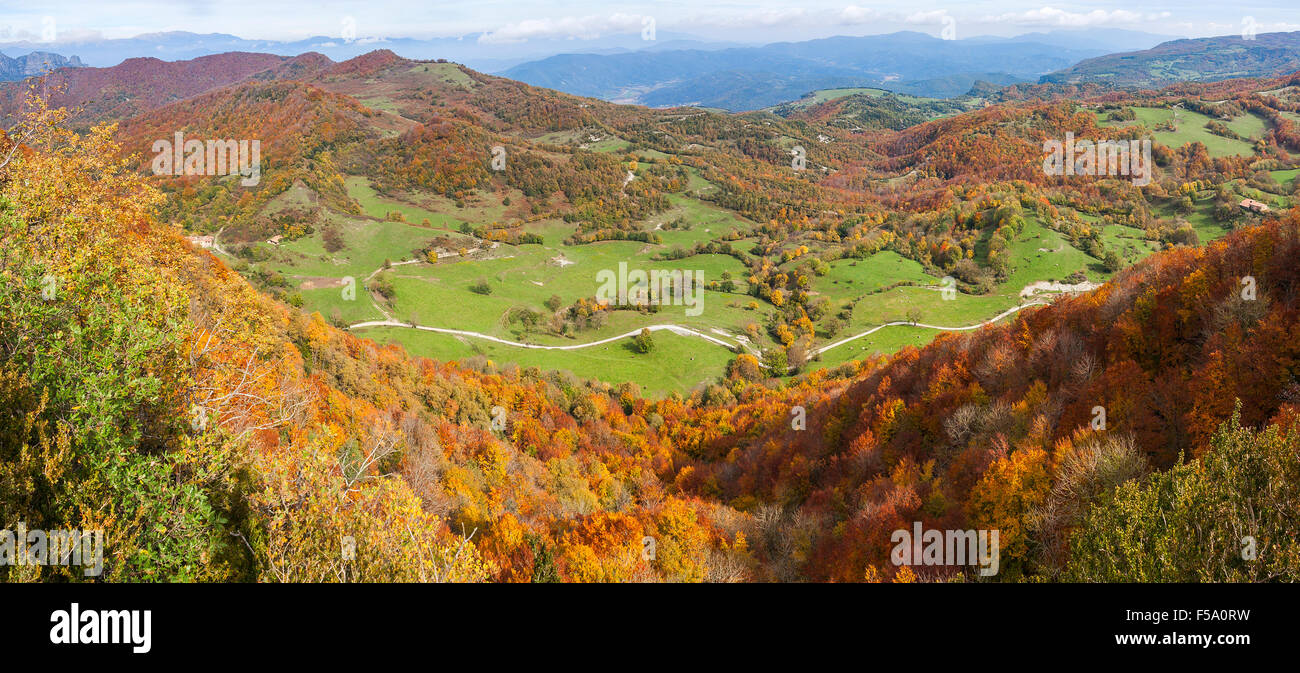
(1112, 261)
(383, 286)
(643, 342)
(332, 239)
(1227, 517)
(775, 361)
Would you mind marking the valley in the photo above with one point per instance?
(877, 311)
(421, 260)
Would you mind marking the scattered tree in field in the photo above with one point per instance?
(643, 342)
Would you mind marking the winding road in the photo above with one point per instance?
(675, 329)
(978, 325)
(684, 331)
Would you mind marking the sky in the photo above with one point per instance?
(518, 21)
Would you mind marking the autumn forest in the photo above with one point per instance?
(386, 356)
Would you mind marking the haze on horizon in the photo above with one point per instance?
(521, 21)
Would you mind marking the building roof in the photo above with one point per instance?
(1252, 204)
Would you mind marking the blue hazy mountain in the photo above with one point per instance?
(34, 63)
(754, 77)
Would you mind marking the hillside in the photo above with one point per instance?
(380, 170)
(858, 109)
(1032, 427)
(1191, 60)
(142, 84)
(217, 434)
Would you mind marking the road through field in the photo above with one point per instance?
(684, 331)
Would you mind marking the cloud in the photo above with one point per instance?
(853, 15)
(569, 27)
(594, 26)
(762, 17)
(933, 16)
(1050, 16)
(12, 35)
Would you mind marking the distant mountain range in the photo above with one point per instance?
(1199, 60)
(141, 84)
(674, 67)
(754, 77)
(476, 50)
(1109, 40)
(35, 63)
(678, 69)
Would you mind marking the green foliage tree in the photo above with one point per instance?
(1229, 516)
(775, 361)
(643, 342)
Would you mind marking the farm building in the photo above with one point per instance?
(1254, 206)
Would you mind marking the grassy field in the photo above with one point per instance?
(1286, 177)
(368, 243)
(885, 287)
(595, 141)
(1129, 243)
(823, 95)
(446, 73)
(442, 212)
(1191, 128)
(674, 365)
(851, 278)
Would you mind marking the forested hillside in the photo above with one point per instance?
(1205, 59)
(1114, 367)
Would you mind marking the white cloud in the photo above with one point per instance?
(594, 26)
(1050, 16)
(762, 17)
(10, 34)
(1277, 27)
(853, 15)
(932, 16)
(569, 27)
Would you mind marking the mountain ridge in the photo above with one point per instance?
(706, 78)
(34, 64)
(1189, 60)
